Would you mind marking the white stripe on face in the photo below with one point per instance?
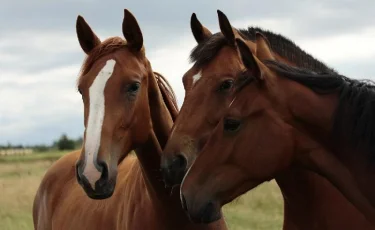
(95, 122)
(196, 77)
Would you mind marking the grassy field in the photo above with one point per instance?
(20, 177)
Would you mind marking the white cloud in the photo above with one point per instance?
(33, 100)
(172, 61)
(344, 47)
(52, 42)
(37, 105)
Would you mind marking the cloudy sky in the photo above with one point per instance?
(40, 56)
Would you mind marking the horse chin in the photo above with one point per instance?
(103, 190)
(200, 209)
(100, 195)
(208, 214)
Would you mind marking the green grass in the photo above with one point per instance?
(20, 177)
(41, 156)
(261, 208)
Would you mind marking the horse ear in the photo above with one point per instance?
(132, 32)
(86, 37)
(226, 28)
(248, 59)
(200, 32)
(263, 47)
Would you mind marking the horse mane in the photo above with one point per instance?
(113, 44)
(354, 116)
(206, 51)
(169, 97)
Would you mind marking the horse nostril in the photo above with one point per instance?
(104, 169)
(179, 162)
(208, 210)
(78, 176)
(182, 161)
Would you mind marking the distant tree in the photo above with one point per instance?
(64, 143)
(55, 144)
(41, 148)
(78, 142)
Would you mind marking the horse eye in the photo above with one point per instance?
(226, 85)
(134, 87)
(231, 125)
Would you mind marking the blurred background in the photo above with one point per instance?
(41, 113)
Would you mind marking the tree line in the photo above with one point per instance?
(62, 143)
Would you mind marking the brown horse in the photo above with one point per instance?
(285, 116)
(207, 86)
(127, 106)
(311, 202)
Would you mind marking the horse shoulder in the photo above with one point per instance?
(50, 189)
(138, 211)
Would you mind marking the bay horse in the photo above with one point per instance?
(286, 116)
(126, 106)
(310, 201)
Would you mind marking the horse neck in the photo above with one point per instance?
(161, 116)
(353, 152)
(317, 151)
(165, 203)
(311, 202)
(149, 153)
(356, 161)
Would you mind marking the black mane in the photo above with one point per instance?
(207, 50)
(354, 119)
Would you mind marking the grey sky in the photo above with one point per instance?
(40, 56)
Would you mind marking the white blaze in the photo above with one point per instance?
(95, 122)
(196, 77)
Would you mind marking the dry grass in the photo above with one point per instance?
(20, 178)
(18, 184)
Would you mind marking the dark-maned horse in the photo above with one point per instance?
(285, 117)
(310, 201)
(126, 106)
